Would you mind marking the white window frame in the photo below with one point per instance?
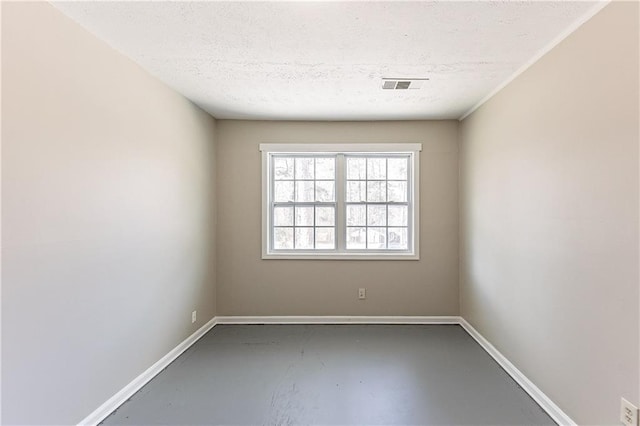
(413, 149)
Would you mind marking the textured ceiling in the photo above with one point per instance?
(324, 60)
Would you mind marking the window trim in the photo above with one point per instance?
(323, 149)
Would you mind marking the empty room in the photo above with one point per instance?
(320, 213)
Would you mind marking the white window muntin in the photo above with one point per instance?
(340, 151)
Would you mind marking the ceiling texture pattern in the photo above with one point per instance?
(325, 60)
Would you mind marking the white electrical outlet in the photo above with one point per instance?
(628, 413)
(362, 293)
(193, 316)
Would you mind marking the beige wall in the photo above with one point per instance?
(107, 213)
(549, 219)
(248, 285)
(109, 199)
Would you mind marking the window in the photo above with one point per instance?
(333, 201)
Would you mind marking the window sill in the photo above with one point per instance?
(345, 256)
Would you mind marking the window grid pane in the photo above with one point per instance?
(304, 204)
(384, 187)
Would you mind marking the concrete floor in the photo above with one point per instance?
(332, 375)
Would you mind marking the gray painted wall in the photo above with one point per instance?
(107, 213)
(549, 215)
(248, 285)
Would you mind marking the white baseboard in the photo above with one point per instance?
(338, 320)
(134, 386)
(534, 392)
(127, 392)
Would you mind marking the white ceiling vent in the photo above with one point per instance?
(402, 83)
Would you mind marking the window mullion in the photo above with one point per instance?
(295, 198)
(340, 188)
(366, 206)
(386, 199)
